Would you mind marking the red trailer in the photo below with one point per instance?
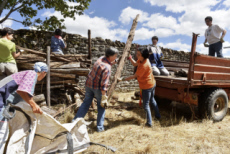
(206, 86)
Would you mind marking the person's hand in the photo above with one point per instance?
(36, 108)
(206, 45)
(129, 57)
(104, 101)
(221, 40)
(120, 79)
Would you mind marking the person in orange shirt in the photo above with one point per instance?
(146, 82)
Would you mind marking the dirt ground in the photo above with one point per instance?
(179, 131)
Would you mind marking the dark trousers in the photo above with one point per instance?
(215, 48)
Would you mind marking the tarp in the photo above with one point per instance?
(46, 135)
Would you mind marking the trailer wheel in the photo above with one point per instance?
(216, 104)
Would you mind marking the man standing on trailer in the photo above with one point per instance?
(212, 36)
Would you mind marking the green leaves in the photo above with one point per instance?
(28, 10)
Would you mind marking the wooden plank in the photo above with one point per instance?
(43, 54)
(53, 65)
(76, 71)
(211, 76)
(89, 45)
(209, 60)
(211, 83)
(173, 69)
(211, 68)
(176, 64)
(57, 82)
(48, 77)
(62, 75)
(123, 57)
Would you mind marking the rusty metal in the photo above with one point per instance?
(177, 95)
(204, 78)
(211, 68)
(191, 64)
(211, 76)
(175, 64)
(209, 60)
(204, 72)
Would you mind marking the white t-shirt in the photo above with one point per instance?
(212, 34)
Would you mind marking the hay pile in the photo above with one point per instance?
(177, 132)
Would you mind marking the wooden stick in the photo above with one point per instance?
(124, 55)
(48, 77)
(89, 45)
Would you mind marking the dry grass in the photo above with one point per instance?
(177, 132)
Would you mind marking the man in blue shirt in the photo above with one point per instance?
(155, 58)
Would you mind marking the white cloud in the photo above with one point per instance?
(160, 21)
(100, 27)
(128, 14)
(183, 5)
(178, 45)
(164, 32)
(143, 34)
(226, 3)
(191, 20)
(92, 12)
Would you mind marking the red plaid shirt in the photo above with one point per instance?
(98, 78)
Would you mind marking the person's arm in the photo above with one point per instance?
(205, 41)
(222, 36)
(63, 44)
(16, 55)
(134, 63)
(104, 81)
(130, 77)
(30, 101)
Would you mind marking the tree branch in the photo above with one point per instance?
(18, 8)
(8, 14)
(2, 6)
(15, 20)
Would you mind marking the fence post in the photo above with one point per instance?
(48, 76)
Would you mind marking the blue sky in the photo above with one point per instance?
(172, 21)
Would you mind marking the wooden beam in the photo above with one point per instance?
(48, 77)
(209, 60)
(123, 57)
(76, 71)
(89, 45)
(43, 54)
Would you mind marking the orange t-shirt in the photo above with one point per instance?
(144, 75)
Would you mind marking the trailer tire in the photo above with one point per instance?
(216, 104)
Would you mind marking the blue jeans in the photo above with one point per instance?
(215, 48)
(148, 96)
(89, 95)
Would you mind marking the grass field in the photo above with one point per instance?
(179, 131)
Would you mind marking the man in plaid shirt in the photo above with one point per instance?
(97, 85)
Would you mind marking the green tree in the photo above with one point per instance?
(28, 10)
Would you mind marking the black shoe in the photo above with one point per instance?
(148, 125)
(157, 119)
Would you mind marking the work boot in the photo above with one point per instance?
(148, 125)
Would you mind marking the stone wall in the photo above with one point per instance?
(77, 44)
